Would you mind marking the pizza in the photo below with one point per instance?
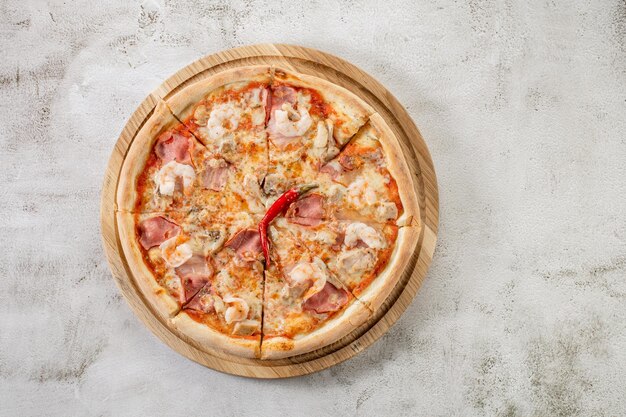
(265, 213)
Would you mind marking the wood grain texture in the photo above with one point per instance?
(338, 71)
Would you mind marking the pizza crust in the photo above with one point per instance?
(381, 287)
(399, 170)
(183, 102)
(282, 347)
(205, 336)
(160, 121)
(157, 297)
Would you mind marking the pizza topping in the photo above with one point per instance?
(267, 100)
(329, 299)
(360, 232)
(360, 194)
(224, 118)
(308, 274)
(282, 94)
(323, 144)
(307, 211)
(175, 251)
(247, 327)
(173, 147)
(289, 123)
(333, 168)
(203, 301)
(356, 261)
(194, 274)
(250, 191)
(201, 115)
(207, 241)
(172, 173)
(324, 132)
(387, 211)
(237, 310)
(257, 99)
(247, 244)
(326, 237)
(156, 230)
(349, 161)
(279, 206)
(215, 175)
(197, 265)
(273, 184)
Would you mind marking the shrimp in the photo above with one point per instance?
(364, 233)
(238, 311)
(169, 174)
(175, 254)
(288, 128)
(311, 273)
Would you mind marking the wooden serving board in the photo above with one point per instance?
(338, 71)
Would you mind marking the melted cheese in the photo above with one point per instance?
(325, 236)
(170, 173)
(250, 191)
(356, 261)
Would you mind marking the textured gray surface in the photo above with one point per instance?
(524, 309)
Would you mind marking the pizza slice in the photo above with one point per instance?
(369, 180)
(228, 113)
(305, 306)
(169, 251)
(367, 258)
(168, 169)
(226, 313)
(310, 120)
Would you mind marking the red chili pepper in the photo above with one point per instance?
(279, 206)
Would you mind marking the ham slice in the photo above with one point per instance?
(282, 94)
(333, 168)
(308, 211)
(194, 275)
(215, 175)
(277, 97)
(246, 243)
(173, 147)
(202, 301)
(329, 299)
(348, 162)
(156, 230)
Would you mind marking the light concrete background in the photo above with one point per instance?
(523, 106)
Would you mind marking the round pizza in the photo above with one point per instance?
(265, 213)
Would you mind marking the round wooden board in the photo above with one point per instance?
(338, 71)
